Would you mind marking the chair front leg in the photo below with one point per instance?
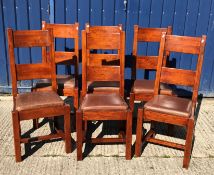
(67, 129)
(188, 144)
(129, 135)
(17, 135)
(139, 132)
(79, 121)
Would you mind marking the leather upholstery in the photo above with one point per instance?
(147, 86)
(170, 105)
(35, 100)
(63, 81)
(103, 102)
(101, 86)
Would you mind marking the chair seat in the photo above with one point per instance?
(35, 100)
(170, 105)
(63, 81)
(147, 86)
(100, 86)
(103, 102)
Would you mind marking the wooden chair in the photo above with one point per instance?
(103, 86)
(34, 105)
(102, 107)
(171, 109)
(67, 85)
(143, 90)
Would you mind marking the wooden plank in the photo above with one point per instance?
(146, 62)
(166, 143)
(33, 38)
(103, 41)
(63, 30)
(42, 138)
(104, 115)
(177, 76)
(63, 56)
(189, 45)
(104, 73)
(33, 71)
(107, 140)
(150, 34)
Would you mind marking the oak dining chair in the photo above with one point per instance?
(67, 84)
(143, 89)
(34, 105)
(103, 106)
(173, 109)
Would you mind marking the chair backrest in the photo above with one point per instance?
(186, 45)
(146, 35)
(102, 38)
(28, 39)
(66, 31)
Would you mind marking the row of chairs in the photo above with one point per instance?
(102, 94)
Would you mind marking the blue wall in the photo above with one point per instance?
(187, 17)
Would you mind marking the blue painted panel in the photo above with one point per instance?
(4, 80)
(9, 21)
(208, 76)
(188, 17)
(96, 10)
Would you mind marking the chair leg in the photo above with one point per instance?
(67, 129)
(17, 136)
(139, 132)
(131, 101)
(79, 134)
(76, 96)
(129, 135)
(188, 144)
(35, 124)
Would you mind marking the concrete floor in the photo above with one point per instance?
(50, 158)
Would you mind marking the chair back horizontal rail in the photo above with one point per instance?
(150, 34)
(103, 41)
(177, 76)
(97, 59)
(31, 38)
(146, 62)
(33, 71)
(61, 56)
(104, 29)
(62, 30)
(189, 45)
(103, 73)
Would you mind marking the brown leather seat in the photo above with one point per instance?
(35, 100)
(147, 86)
(170, 105)
(101, 86)
(103, 102)
(63, 81)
